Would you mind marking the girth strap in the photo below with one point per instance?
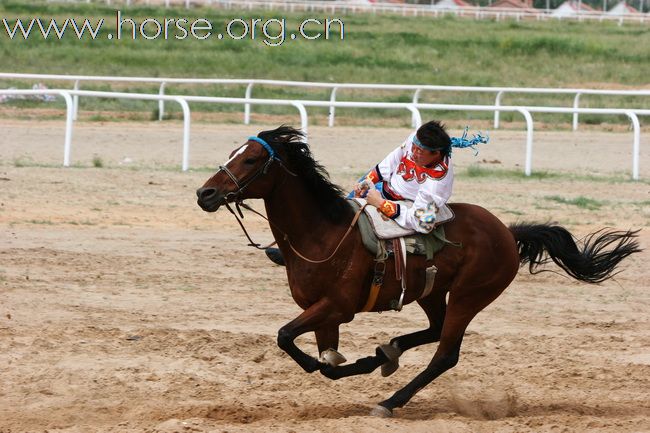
(399, 251)
(377, 280)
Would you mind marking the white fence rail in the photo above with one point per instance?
(182, 100)
(431, 10)
(301, 106)
(417, 90)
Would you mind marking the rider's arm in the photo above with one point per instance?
(432, 191)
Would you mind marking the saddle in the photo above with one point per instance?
(383, 238)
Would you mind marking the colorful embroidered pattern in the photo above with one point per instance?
(390, 209)
(409, 171)
(373, 177)
(390, 193)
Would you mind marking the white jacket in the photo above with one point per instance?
(422, 185)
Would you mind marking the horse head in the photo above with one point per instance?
(250, 172)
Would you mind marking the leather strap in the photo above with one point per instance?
(377, 280)
(372, 297)
(352, 224)
(397, 253)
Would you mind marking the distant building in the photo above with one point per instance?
(513, 4)
(452, 4)
(622, 9)
(571, 8)
(370, 2)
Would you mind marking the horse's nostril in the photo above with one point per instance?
(206, 193)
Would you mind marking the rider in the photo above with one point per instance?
(420, 170)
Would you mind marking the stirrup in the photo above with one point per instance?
(275, 255)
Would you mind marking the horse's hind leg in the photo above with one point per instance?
(434, 306)
(460, 311)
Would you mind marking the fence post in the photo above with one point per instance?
(330, 122)
(185, 165)
(247, 106)
(576, 104)
(414, 118)
(303, 116)
(75, 104)
(529, 141)
(636, 144)
(67, 144)
(497, 102)
(161, 102)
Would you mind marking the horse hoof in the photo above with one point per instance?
(381, 412)
(389, 368)
(393, 354)
(332, 357)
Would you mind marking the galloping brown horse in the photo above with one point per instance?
(308, 215)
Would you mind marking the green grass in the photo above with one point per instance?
(581, 202)
(98, 162)
(479, 171)
(39, 222)
(81, 223)
(23, 161)
(376, 49)
(473, 171)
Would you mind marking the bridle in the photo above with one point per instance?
(235, 197)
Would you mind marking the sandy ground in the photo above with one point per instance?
(125, 308)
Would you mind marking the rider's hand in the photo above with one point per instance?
(374, 198)
(359, 190)
(362, 188)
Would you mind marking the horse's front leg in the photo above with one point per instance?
(319, 316)
(360, 366)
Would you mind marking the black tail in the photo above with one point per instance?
(539, 243)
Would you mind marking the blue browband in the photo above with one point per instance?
(264, 144)
(418, 143)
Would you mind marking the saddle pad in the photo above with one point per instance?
(421, 244)
(389, 229)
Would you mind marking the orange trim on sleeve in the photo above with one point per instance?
(373, 176)
(389, 208)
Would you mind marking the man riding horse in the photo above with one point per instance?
(331, 273)
(419, 171)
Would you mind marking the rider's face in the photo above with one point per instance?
(424, 157)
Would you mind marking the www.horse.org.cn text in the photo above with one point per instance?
(272, 31)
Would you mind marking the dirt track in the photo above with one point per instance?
(125, 308)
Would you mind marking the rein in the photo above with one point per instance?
(235, 197)
(285, 236)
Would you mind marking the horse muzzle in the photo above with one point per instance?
(209, 199)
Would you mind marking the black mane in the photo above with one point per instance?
(289, 142)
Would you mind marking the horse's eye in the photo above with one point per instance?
(249, 161)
